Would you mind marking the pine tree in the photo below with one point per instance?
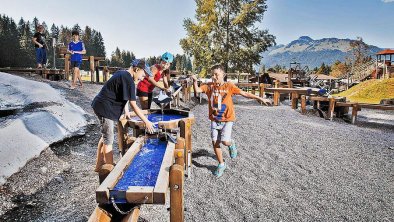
(226, 33)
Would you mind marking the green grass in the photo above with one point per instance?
(370, 91)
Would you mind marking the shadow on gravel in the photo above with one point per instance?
(199, 165)
(201, 153)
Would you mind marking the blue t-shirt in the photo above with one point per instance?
(112, 98)
(76, 46)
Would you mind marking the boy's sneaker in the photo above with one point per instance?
(220, 170)
(233, 149)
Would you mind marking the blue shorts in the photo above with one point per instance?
(75, 64)
(221, 131)
(41, 56)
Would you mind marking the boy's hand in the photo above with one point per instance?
(40, 45)
(267, 102)
(127, 114)
(149, 127)
(193, 77)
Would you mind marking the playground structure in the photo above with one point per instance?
(147, 167)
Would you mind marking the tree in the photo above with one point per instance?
(226, 32)
(339, 69)
(359, 51)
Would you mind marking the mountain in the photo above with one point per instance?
(310, 52)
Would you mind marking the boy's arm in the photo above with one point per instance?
(166, 79)
(267, 102)
(138, 111)
(37, 43)
(195, 85)
(153, 81)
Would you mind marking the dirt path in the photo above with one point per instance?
(290, 168)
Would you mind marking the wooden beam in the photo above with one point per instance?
(331, 108)
(139, 195)
(176, 193)
(102, 192)
(99, 215)
(91, 66)
(122, 135)
(303, 104)
(294, 100)
(132, 216)
(160, 190)
(354, 113)
(67, 66)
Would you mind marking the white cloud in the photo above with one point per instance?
(387, 1)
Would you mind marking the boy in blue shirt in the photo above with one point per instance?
(77, 49)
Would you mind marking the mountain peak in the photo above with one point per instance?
(305, 39)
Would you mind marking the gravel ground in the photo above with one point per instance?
(290, 168)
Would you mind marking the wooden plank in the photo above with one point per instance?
(139, 195)
(354, 113)
(102, 192)
(331, 108)
(294, 100)
(303, 104)
(276, 98)
(376, 106)
(160, 190)
(319, 98)
(122, 135)
(176, 193)
(179, 156)
(133, 216)
(99, 215)
(67, 66)
(91, 67)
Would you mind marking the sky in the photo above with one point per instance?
(151, 27)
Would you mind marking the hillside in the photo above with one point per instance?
(371, 91)
(311, 52)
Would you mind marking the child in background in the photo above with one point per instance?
(77, 49)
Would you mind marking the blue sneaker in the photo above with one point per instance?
(233, 149)
(220, 170)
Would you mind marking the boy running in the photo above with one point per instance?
(77, 49)
(221, 112)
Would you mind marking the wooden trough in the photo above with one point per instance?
(145, 156)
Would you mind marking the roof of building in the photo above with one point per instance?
(386, 52)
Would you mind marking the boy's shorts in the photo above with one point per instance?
(107, 130)
(41, 56)
(75, 64)
(221, 131)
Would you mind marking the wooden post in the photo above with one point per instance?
(91, 66)
(262, 88)
(331, 107)
(276, 94)
(122, 135)
(99, 215)
(253, 91)
(104, 171)
(185, 132)
(303, 104)
(294, 100)
(67, 66)
(133, 216)
(176, 193)
(179, 157)
(105, 74)
(355, 108)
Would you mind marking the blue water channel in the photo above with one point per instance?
(143, 170)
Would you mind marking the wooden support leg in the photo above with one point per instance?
(331, 108)
(67, 66)
(104, 171)
(122, 135)
(185, 132)
(91, 66)
(276, 98)
(99, 215)
(132, 216)
(176, 193)
(355, 109)
(294, 100)
(303, 104)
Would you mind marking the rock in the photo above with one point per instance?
(44, 169)
(59, 179)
